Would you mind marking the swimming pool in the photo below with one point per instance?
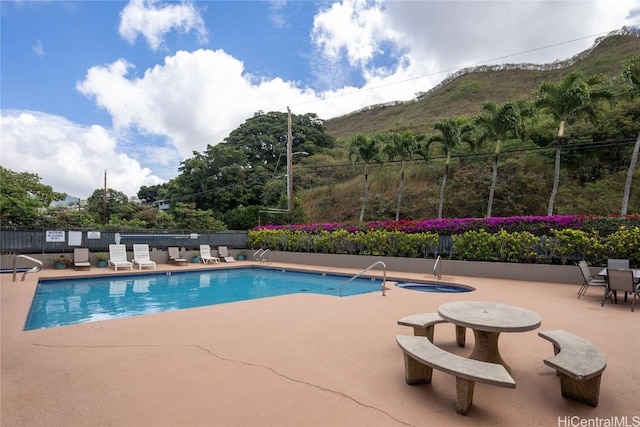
(63, 302)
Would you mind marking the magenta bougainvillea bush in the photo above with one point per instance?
(538, 225)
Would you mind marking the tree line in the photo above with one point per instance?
(562, 104)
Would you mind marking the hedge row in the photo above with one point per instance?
(557, 246)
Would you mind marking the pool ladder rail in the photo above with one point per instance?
(36, 268)
(384, 276)
(437, 268)
(260, 254)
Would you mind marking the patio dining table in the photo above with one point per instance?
(488, 320)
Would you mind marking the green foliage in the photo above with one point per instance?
(189, 218)
(632, 71)
(149, 194)
(264, 238)
(22, 198)
(624, 243)
(569, 242)
(517, 246)
(341, 241)
(62, 260)
(241, 170)
(475, 246)
(242, 218)
(65, 217)
(501, 246)
(154, 218)
(607, 225)
(366, 150)
(116, 203)
(466, 90)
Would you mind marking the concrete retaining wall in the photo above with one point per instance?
(499, 270)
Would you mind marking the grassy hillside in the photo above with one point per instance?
(331, 188)
(464, 95)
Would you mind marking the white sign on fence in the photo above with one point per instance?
(93, 235)
(55, 236)
(75, 238)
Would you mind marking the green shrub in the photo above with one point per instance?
(475, 246)
(569, 242)
(624, 243)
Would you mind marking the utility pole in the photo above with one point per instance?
(289, 163)
(104, 199)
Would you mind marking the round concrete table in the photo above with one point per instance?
(488, 320)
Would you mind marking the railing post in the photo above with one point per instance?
(35, 269)
(437, 269)
(384, 280)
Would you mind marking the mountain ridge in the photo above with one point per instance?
(464, 92)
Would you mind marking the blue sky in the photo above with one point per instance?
(134, 87)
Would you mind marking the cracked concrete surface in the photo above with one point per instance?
(296, 360)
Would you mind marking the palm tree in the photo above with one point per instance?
(573, 97)
(452, 133)
(497, 122)
(402, 146)
(367, 150)
(632, 73)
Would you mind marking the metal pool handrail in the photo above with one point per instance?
(437, 268)
(384, 277)
(256, 254)
(263, 254)
(36, 268)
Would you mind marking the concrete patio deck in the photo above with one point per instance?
(302, 360)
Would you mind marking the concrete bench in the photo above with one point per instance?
(578, 363)
(423, 326)
(421, 356)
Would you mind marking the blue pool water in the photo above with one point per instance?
(67, 302)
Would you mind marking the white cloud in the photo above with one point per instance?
(465, 32)
(68, 157)
(275, 13)
(194, 98)
(38, 49)
(434, 38)
(355, 28)
(153, 21)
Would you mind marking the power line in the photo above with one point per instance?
(566, 147)
(339, 95)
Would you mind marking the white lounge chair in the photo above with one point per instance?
(205, 255)
(174, 256)
(224, 254)
(118, 257)
(81, 259)
(141, 256)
